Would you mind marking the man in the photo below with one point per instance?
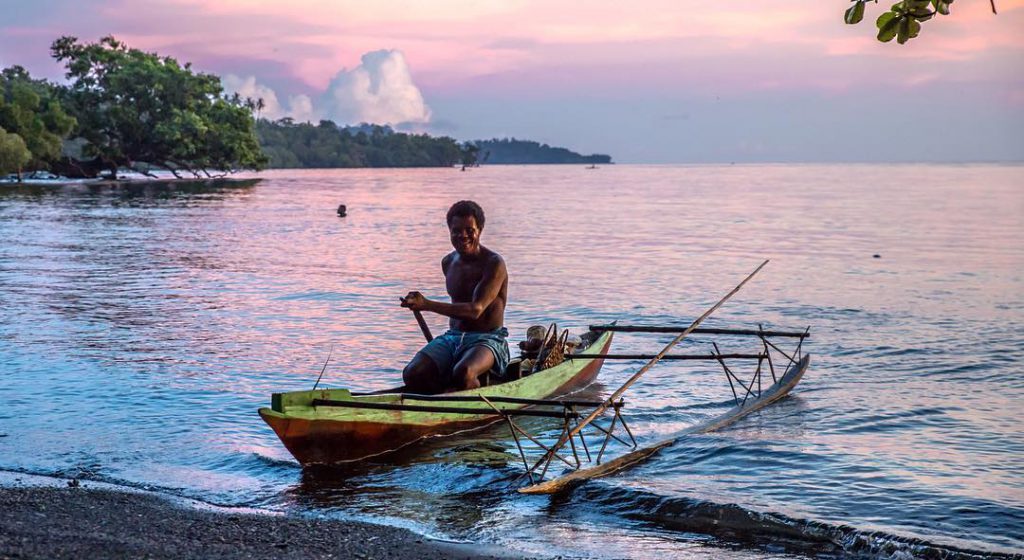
(477, 283)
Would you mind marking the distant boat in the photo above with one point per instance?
(592, 166)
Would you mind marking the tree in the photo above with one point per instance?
(467, 154)
(13, 153)
(903, 20)
(136, 107)
(30, 109)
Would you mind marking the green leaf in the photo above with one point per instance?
(887, 26)
(942, 7)
(915, 28)
(903, 30)
(855, 13)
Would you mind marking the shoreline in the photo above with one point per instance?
(67, 519)
(124, 182)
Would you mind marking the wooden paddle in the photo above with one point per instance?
(423, 325)
(422, 322)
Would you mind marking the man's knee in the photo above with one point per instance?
(462, 372)
(420, 375)
(411, 373)
(468, 373)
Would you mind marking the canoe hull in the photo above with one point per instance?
(321, 435)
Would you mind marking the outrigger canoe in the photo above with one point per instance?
(336, 426)
(330, 426)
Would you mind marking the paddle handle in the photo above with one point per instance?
(423, 325)
(419, 320)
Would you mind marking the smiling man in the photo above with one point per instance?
(477, 283)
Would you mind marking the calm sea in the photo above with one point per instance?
(141, 327)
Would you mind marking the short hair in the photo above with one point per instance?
(465, 209)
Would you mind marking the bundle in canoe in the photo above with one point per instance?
(330, 426)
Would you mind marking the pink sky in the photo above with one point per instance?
(469, 57)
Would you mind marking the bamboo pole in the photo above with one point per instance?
(708, 357)
(680, 328)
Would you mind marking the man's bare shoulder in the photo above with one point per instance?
(447, 260)
(493, 259)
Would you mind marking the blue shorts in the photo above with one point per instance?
(447, 349)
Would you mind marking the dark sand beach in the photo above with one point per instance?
(47, 522)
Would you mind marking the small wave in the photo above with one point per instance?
(898, 421)
(735, 525)
(314, 295)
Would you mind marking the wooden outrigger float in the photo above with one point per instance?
(335, 425)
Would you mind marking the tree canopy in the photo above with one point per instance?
(13, 152)
(136, 107)
(903, 20)
(30, 111)
(326, 145)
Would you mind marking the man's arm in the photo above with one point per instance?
(483, 295)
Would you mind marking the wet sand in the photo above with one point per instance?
(48, 522)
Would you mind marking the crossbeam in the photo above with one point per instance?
(710, 357)
(511, 400)
(682, 328)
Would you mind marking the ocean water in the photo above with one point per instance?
(142, 326)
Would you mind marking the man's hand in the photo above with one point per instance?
(414, 301)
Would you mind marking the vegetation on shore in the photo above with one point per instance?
(124, 108)
(293, 145)
(325, 145)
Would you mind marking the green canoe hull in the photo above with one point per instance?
(337, 434)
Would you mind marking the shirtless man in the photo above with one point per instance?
(477, 282)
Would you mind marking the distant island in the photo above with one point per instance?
(511, 150)
(289, 145)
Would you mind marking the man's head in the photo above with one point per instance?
(465, 222)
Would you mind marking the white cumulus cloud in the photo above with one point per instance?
(299, 107)
(380, 91)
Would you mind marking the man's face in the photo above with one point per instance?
(465, 234)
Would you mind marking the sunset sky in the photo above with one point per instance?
(644, 81)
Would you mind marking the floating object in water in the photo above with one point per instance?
(876, 256)
(342, 211)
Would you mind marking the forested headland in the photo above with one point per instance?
(511, 150)
(326, 145)
(122, 108)
(289, 145)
